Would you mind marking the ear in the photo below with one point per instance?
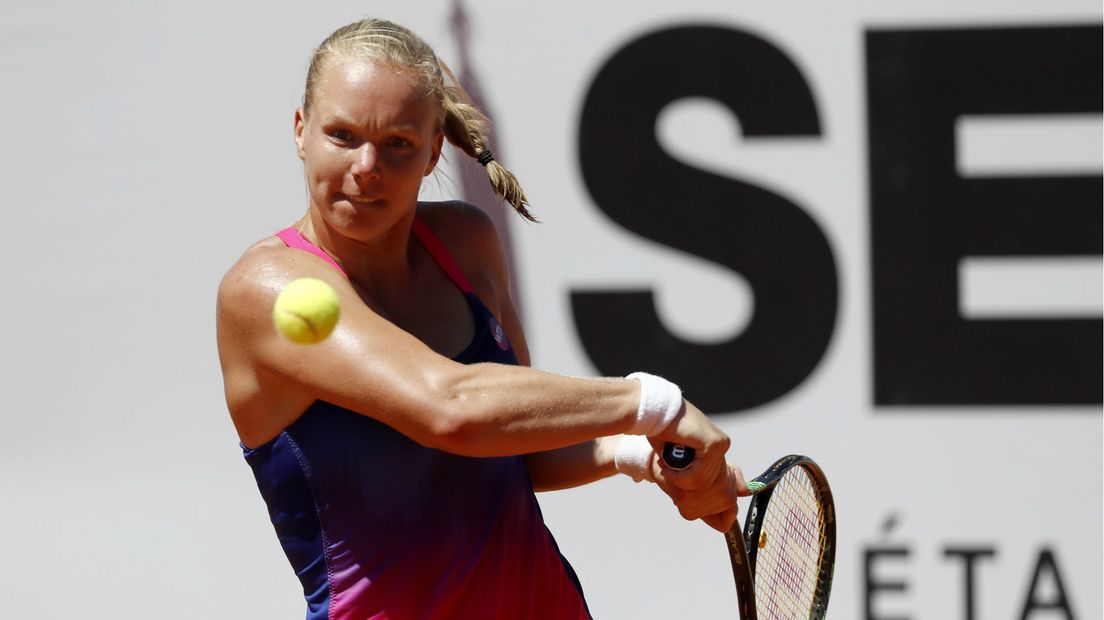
(300, 121)
(438, 143)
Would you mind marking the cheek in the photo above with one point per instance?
(322, 166)
(416, 165)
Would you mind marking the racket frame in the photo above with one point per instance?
(743, 549)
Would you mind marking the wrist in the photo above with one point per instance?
(660, 403)
(633, 457)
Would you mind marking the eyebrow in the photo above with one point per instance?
(340, 119)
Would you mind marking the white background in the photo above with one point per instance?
(145, 145)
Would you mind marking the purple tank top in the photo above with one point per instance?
(377, 526)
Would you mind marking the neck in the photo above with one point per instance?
(379, 265)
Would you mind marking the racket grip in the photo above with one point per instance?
(677, 457)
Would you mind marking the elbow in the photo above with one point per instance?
(458, 422)
(456, 428)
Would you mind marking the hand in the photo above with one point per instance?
(692, 428)
(714, 503)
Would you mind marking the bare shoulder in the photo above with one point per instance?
(255, 257)
(468, 231)
(262, 271)
(245, 280)
(459, 224)
(472, 238)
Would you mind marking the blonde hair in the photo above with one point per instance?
(464, 125)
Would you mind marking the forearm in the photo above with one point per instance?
(498, 410)
(572, 466)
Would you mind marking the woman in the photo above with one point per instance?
(398, 458)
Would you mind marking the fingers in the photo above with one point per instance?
(741, 485)
(715, 504)
(693, 429)
(709, 488)
(722, 522)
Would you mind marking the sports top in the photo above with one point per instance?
(378, 526)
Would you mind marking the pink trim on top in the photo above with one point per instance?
(440, 255)
(294, 239)
(437, 250)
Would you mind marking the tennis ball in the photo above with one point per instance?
(306, 311)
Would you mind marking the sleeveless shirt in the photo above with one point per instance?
(378, 526)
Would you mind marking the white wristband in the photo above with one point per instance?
(660, 403)
(633, 457)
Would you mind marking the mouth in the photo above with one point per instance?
(365, 201)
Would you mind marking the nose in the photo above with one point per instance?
(365, 161)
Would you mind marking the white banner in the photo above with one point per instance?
(865, 232)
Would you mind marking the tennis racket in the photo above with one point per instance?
(783, 560)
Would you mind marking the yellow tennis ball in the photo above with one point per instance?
(306, 311)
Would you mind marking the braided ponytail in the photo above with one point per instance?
(465, 126)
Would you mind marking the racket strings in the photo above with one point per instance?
(792, 542)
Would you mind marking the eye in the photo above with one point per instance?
(341, 135)
(400, 142)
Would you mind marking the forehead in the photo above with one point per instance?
(371, 92)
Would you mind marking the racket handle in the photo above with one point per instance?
(677, 457)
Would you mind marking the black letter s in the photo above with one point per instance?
(768, 239)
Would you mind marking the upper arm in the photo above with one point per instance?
(367, 365)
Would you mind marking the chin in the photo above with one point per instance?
(361, 224)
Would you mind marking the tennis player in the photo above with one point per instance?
(399, 457)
